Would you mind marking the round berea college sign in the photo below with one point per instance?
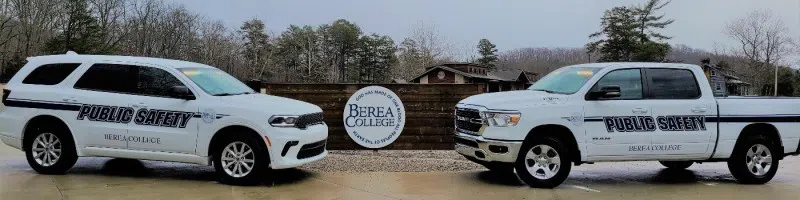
(374, 117)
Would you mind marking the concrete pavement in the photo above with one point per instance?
(104, 178)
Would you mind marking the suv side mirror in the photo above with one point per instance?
(182, 92)
(609, 91)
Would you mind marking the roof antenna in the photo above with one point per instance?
(71, 53)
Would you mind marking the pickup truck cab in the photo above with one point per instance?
(625, 112)
(61, 107)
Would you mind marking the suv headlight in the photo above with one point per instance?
(283, 120)
(501, 119)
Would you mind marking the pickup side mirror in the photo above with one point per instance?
(182, 92)
(609, 91)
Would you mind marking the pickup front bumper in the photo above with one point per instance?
(488, 150)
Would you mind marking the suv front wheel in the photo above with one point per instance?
(241, 161)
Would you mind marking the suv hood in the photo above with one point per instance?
(513, 100)
(271, 104)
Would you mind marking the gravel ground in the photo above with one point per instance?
(392, 161)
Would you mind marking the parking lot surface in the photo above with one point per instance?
(104, 178)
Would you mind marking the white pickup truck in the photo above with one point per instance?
(598, 112)
(61, 107)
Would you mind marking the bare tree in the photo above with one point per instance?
(762, 39)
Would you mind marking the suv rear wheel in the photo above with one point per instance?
(50, 149)
(240, 160)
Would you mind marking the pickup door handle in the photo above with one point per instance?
(639, 111)
(139, 105)
(698, 109)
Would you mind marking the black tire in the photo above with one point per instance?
(676, 164)
(738, 162)
(555, 145)
(260, 155)
(65, 159)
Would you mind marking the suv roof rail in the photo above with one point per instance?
(71, 53)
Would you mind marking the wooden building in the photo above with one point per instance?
(459, 73)
(723, 82)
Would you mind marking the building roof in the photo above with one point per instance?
(726, 73)
(73, 57)
(509, 75)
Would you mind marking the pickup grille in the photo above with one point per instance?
(468, 121)
(307, 120)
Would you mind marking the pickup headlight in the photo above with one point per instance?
(283, 120)
(501, 119)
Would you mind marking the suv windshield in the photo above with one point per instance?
(216, 82)
(566, 80)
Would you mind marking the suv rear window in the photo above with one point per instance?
(109, 78)
(50, 74)
(672, 84)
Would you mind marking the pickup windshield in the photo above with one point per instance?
(566, 80)
(216, 82)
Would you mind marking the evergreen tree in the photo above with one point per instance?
(374, 56)
(256, 47)
(488, 52)
(81, 32)
(629, 34)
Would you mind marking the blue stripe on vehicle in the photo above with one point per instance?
(42, 105)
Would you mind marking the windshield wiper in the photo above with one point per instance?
(544, 90)
(231, 94)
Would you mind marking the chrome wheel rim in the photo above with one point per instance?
(758, 160)
(542, 161)
(238, 159)
(46, 149)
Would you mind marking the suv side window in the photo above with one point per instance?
(109, 78)
(628, 80)
(672, 84)
(50, 74)
(156, 82)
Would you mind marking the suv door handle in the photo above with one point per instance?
(139, 105)
(70, 99)
(699, 109)
(639, 111)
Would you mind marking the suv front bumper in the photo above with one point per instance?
(488, 150)
(291, 147)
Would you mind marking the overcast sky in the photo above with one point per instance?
(508, 24)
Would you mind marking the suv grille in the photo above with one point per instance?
(312, 149)
(309, 120)
(468, 121)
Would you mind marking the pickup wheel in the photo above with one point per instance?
(543, 163)
(50, 149)
(240, 160)
(754, 160)
(676, 164)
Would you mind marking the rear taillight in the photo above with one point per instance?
(5, 95)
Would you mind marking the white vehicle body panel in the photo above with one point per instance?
(189, 144)
(584, 119)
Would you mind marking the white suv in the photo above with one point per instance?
(61, 107)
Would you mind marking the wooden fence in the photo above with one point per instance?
(429, 110)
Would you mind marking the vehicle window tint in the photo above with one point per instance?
(50, 74)
(109, 77)
(156, 82)
(672, 84)
(628, 80)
